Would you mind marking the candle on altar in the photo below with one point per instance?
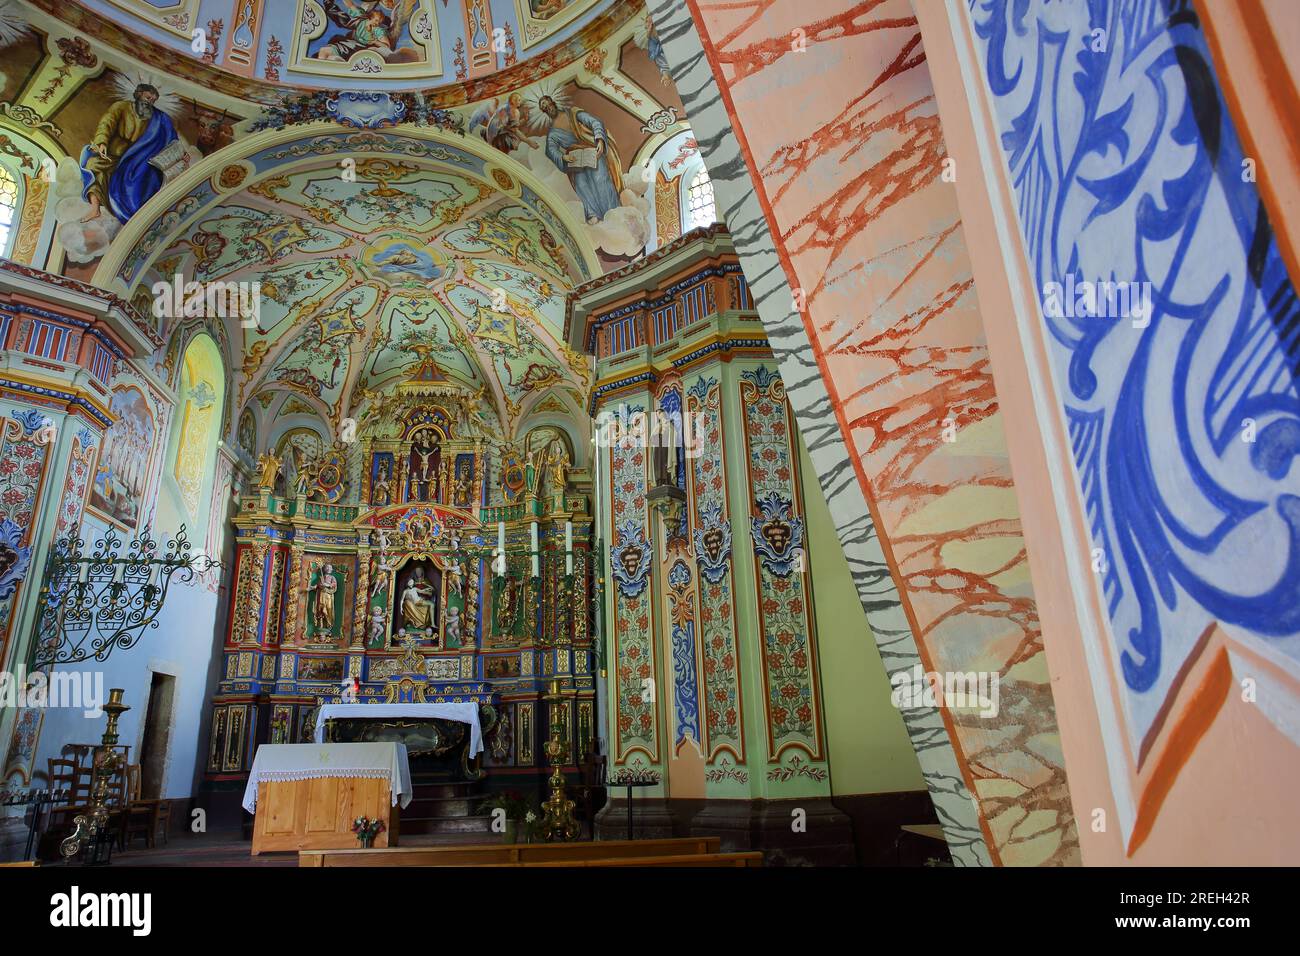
(532, 533)
(501, 548)
(568, 547)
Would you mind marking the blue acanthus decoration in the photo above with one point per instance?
(31, 420)
(777, 534)
(685, 687)
(713, 544)
(13, 557)
(1184, 421)
(761, 376)
(630, 558)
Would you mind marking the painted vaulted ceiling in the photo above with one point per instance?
(361, 265)
(457, 230)
(340, 44)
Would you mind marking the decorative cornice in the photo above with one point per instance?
(121, 316)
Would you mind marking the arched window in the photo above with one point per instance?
(699, 201)
(8, 208)
(203, 391)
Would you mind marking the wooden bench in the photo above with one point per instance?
(507, 854)
(746, 859)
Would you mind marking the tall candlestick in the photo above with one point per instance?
(501, 548)
(568, 547)
(532, 530)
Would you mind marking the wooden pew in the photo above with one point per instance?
(506, 854)
(746, 859)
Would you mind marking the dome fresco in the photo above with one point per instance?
(389, 178)
(340, 44)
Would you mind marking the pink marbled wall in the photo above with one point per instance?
(846, 139)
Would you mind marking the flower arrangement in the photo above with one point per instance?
(517, 813)
(367, 829)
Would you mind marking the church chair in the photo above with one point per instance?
(138, 817)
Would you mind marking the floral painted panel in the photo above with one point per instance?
(777, 533)
(711, 524)
(634, 656)
(25, 441)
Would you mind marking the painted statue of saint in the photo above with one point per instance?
(577, 143)
(322, 615)
(382, 492)
(417, 602)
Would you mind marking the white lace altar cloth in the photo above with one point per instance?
(313, 761)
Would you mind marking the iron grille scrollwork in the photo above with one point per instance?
(94, 603)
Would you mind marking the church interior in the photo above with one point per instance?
(649, 432)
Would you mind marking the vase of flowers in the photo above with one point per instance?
(366, 830)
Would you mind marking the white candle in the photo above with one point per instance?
(501, 549)
(83, 572)
(568, 547)
(119, 569)
(532, 529)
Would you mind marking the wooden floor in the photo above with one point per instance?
(227, 849)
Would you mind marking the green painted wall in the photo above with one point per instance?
(869, 748)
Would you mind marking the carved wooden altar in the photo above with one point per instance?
(387, 585)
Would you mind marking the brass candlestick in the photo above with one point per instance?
(91, 833)
(558, 822)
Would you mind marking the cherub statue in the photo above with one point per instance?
(377, 622)
(451, 621)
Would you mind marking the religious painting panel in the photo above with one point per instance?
(118, 492)
(372, 39)
(320, 669)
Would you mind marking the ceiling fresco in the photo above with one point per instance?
(378, 220)
(252, 47)
(472, 275)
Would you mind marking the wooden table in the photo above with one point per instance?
(308, 795)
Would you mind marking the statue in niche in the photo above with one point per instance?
(381, 491)
(463, 484)
(507, 605)
(452, 625)
(426, 459)
(417, 602)
(558, 463)
(322, 612)
(268, 466)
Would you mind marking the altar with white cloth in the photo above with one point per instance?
(465, 713)
(306, 796)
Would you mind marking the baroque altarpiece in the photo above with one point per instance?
(426, 561)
